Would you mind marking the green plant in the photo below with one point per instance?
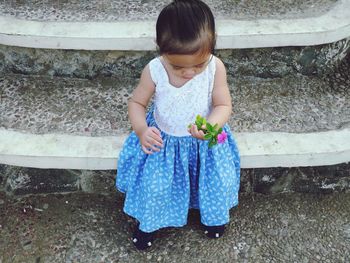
(212, 133)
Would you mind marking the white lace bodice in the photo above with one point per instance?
(175, 108)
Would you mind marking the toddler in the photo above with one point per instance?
(166, 167)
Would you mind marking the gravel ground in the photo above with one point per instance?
(288, 227)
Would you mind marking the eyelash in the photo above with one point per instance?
(198, 66)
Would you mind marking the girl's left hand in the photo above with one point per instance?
(199, 134)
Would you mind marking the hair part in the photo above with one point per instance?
(186, 27)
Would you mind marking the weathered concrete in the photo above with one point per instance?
(309, 25)
(63, 108)
(293, 103)
(121, 10)
(257, 150)
(22, 181)
(262, 62)
(91, 228)
(19, 181)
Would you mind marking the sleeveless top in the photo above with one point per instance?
(176, 108)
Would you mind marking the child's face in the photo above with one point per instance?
(187, 66)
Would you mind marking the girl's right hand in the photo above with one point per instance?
(151, 140)
(199, 134)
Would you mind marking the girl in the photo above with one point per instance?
(166, 168)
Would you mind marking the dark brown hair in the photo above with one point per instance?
(186, 27)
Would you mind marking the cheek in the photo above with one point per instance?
(178, 72)
(199, 70)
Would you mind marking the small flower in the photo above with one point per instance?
(222, 137)
(213, 133)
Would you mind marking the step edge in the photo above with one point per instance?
(258, 150)
(326, 28)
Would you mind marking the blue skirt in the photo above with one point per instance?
(161, 187)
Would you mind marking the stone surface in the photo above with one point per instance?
(263, 62)
(319, 179)
(22, 181)
(97, 107)
(102, 182)
(3, 177)
(47, 105)
(118, 10)
(324, 179)
(92, 228)
(281, 61)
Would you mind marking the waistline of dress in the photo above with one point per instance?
(165, 130)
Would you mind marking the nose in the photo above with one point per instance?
(189, 73)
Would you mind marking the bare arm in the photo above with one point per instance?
(221, 103)
(149, 136)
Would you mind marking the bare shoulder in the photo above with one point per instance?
(220, 67)
(220, 72)
(146, 78)
(221, 94)
(145, 88)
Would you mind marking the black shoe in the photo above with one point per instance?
(214, 231)
(142, 240)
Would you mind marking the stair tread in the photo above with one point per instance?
(118, 10)
(240, 24)
(98, 107)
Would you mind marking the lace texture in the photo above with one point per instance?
(175, 108)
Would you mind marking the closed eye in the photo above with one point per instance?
(200, 65)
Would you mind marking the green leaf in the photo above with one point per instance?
(211, 144)
(207, 136)
(209, 127)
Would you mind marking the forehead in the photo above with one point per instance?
(189, 60)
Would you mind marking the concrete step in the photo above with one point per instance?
(129, 25)
(98, 107)
(51, 122)
(39, 130)
(257, 62)
(117, 10)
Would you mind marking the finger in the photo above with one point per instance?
(201, 134)
(154, 141)
(192, 129)
(156, 131)
(145, 150)
(189, 128)
(156, 136)
(195, 130)
(152, 147)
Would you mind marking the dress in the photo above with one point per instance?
(160, 188)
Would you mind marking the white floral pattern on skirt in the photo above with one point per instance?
(160, 188)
